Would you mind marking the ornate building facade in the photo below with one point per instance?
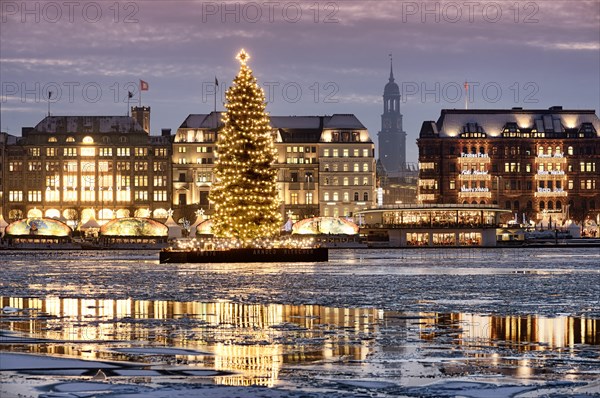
(76, 167)
(542, 164)
(325, 164)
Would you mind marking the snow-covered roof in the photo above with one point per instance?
(89, 124)
(493, 121)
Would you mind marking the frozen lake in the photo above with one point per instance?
(434, 322)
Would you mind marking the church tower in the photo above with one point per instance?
(391, 138)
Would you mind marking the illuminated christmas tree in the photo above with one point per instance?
(245, 192)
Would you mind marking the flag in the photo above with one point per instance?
(216, 82)
(466, 86)
(143, 85)
(49, 94)
(129, 94)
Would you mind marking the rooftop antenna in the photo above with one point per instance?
(49, 97)
(466, 95)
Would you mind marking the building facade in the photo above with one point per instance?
(76, 167)
(392, 138)
(543, 165)
(325, 164)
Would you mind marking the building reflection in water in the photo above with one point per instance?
(255, 341)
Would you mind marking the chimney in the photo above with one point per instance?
(165, 132)
(142, 115)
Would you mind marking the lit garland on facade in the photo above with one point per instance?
(245, 192)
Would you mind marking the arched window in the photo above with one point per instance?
(70, 139)
(549, 151)
(465, 202)
(474, 202)
(473, 150)
(52, 139)
(366, 196)
(516, 205)
(122, 139)
(356, 196)
(88, 140)
(106, 140)
(464, 149)
(542, 205)
(550, 205)
(559, 205)
(570, 150)
(481, 150)
(482, 202)
(529, 205)
(557, 150)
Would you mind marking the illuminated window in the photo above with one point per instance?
(345, 167)
(52, 139)
(34, 152)
(452, 184)
(355, 181)
(34, 166)
(105, 152)
(365, 153)
(365, 166)
(326, 212)
(336, 153)
(141, 196)
(70, 152)
(570, 150)
(356, 167)
(182, 149)
(326, 152)
(15, 166)
(160, 152)
(346, 181)
(160, 181)
(160, 196)
(70, 139)
(140, 181)
(50, 152)
(346, 152)
(309, 198)
(294, 198)
(91, 152)
(123, 152)
(141, 152)
(336, 197)
(365, 180)
(140, 166)
(355, 152)
(15, 196)
(326, 196)
(346, 196)
(88, 140)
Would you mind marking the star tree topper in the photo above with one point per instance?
(243, 57)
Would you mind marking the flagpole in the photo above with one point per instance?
(466, 95)
(140, 99)
(128, 98)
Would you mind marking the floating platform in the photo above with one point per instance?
(245, 256)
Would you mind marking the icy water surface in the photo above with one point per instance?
(472, 322)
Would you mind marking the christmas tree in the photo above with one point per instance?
(245, 192)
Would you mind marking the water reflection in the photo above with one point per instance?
(256, 341)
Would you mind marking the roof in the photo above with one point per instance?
(492, 121)
(89, 124)
(335, 121)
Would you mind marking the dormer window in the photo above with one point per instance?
(70, 139)
(52, 139)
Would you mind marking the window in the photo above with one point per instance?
(140, 166)
(326, 196)
(365, 153)
(365, 166)
(70, 152)
(160, 196)
(141, 152)
(34, 196)
(346, 196)
(182, 177)
(366, 196)
(308, 176)
(355, 181)
(182, 149)
(15, 196)
(365, 180)
(356, 196)
(309, 198)
(140, 196)
(50, 152)
(52, 139)
(87, 140)
(336, 197)
(452, 184)
(34, 152)
(140, 181)
(346, 152)
(570, 184)
(70, 139)
(325, 152)
(570, 150)
(105, 152)
(34, 166)
(336, 153)
(294, 198)
(123, 152)
(160, 152)
(123, 139)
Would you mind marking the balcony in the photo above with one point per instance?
(547, 192)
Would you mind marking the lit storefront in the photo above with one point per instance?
(433, 225)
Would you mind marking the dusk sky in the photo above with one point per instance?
(537, 53)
